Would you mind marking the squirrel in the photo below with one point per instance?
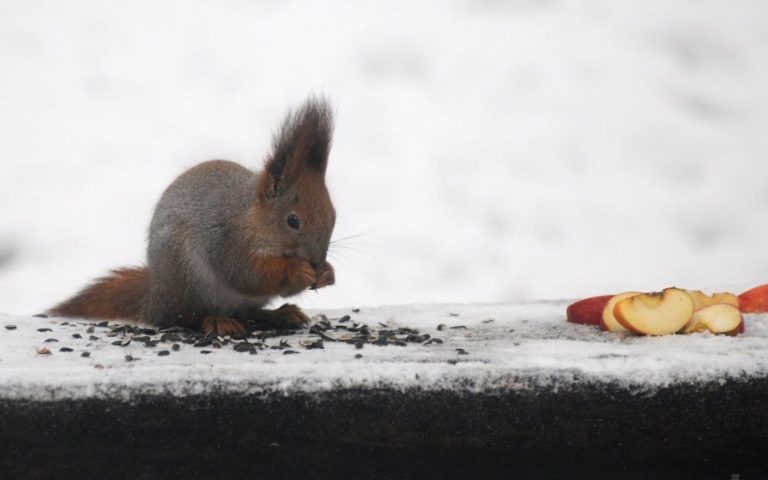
(225, 240)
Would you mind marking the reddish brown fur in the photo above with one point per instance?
(119, 295)
(283, 276)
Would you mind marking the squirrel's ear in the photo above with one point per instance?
(301, 145)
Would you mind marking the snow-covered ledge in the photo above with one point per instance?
(506, 381)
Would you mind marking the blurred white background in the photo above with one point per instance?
(485, 150)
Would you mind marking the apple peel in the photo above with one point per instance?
(754, 300)
(588, 311)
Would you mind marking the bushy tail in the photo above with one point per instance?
(118, 295)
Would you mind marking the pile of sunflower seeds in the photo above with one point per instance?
(256, 338)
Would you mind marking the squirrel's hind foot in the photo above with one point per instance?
(222, 326)
(289, 317)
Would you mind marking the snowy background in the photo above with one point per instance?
(486, 150)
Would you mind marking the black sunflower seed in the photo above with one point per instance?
(90, 329)
(85, 354)
(461, 351)
(358, 355)
(163, 353)
(345, 319)
(40, 315)
(93, 338)
(10, 327)
(103, 324)
(50, 340)
(76, 335)
(66, 349)
(175, 347)
(289, 352)
(44, 330)
(204, 352)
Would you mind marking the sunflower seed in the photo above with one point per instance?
(66, 349)
(40, 315)
(314, 345)
(85, 354)
(163, 353)
(289, 352)
(76, 335)
(50, 340)
(43, 351)
(44, 330)
(10, 327)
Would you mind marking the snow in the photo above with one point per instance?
(485, 151)
(509, 347)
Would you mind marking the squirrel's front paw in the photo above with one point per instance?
(300, 275)
(325, 276)
(289, 316)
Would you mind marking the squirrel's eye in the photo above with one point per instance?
(293, 221)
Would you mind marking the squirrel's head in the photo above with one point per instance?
(293, 201)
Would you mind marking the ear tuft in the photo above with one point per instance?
(302, 142)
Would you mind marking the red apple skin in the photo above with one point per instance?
(754, 300)
(588, 311)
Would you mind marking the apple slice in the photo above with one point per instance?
(608, 319)
(588, 311)
(720, 318)
(659, 313)
(754, 300)
(702, 300)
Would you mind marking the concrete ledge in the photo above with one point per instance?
(531, 397)
(588, 432)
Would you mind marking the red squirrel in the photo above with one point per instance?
(225, 240)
